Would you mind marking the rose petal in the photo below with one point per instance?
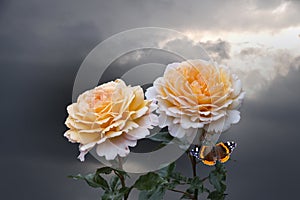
(151, 93)
(176, 130)
(137, 133)
(112, 116)
(113, 147)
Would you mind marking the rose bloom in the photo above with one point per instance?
(197, 94)
(111, 117)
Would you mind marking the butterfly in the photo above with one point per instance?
(209, 155)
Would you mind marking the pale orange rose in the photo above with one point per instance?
(110, 117)
(197, 94)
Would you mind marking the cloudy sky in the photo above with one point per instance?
(43, 43)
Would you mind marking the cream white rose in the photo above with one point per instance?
(197, 94)
(110, 117)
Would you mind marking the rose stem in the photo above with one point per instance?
(122, 179)
(182, 192)
(193, 162)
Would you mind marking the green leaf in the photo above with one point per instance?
(189, 191)
(215, 195)
(101, 181)
(196, 183)
(110, 195)
(179, 177)
(163, 137)
(155, 194)
(104, 170)
(93, 180)
(167, 171)
(112, 190)
(125, 190)
(148, 181)
(218, 185)
(116, 195)
(144, 195)
(171, 168)
(114, 183)
(217, 178)
(122, 173)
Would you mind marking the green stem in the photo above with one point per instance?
(193, 162)
(204, 179)
(122, 179)
(182, 192)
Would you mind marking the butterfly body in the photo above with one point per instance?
(209, 155)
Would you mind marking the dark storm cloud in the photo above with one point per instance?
(30, 38)
(174, 49)
(37, 25)
(185, 46)
(219, 50)
(40, 52)
(113, 16)
(267, 137)
(40, 56)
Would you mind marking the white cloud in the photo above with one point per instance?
(258, 58)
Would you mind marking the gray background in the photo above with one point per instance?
(42, 44)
